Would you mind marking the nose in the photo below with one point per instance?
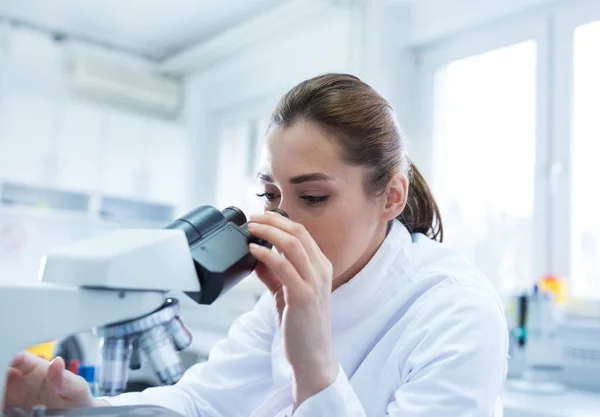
(283, 206)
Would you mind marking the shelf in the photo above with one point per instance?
(113, 208)
(119, 209)
(26, 195)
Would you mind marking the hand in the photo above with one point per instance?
(300, 279)
(35, 381)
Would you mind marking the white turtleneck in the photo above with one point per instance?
(418, 332)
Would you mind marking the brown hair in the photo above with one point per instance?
(367, 131)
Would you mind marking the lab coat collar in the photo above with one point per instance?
(351, 300)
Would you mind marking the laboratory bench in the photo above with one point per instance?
(567, 403)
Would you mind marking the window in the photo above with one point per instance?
(585, 168)
(239, 155)
(233, 160)
(258, 129)
(484, 159)
(512, 157)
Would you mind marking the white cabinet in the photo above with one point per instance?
(145, 158)
(80, 134)
(27, 132)
(167, 162)
(124, 153)
(75, 145)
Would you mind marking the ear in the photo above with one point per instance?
(396, 197)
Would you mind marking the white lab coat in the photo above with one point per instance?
(418, 333)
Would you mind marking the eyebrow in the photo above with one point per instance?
(298, 179)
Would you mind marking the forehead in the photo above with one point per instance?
(303, 147)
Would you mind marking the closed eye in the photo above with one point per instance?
(313, 200)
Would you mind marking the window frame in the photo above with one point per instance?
(553, 28)
(249, 115)
(565, 22)
(478, 41)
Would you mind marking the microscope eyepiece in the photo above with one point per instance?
(234, 215)
(198, 223)
(278, 210)
(219, 244)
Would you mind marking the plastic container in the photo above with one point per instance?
(88, 372)
(43, 350)
(555, 285)
(74, 365)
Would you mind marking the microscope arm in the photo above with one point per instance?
(40, 312)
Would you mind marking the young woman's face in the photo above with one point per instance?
(303, 174)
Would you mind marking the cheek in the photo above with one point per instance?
(343, 234)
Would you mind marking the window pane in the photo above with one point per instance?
(484, 160)
(233, 159)
(256, 204)
(239, 154)
(585, 242)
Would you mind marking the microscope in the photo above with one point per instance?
(117, 285)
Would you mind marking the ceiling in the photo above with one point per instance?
(152, 28)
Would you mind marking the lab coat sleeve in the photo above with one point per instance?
(232, 382)
(455, 363)
(338, 399)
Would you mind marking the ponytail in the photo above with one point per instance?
(421, 214)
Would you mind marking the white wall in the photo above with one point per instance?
(248, 84)
(271, 67)
(203, 143)
(51, 138)
(359, 40)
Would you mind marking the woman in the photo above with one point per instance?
(367, 314)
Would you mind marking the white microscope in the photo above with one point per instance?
(116, 284)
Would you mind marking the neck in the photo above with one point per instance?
(376, 241)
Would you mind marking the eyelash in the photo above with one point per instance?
(267, 196)
(309, 199)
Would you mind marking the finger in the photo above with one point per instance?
(14, 371)
(268, 278)
(56, 375)
(293, 228)
(13, 375)
(65, 384)
(27, 362)
(14, 384)
(279, 265)
(274, 285)
(17, 389)
(291, 247)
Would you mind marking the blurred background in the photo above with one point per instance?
(129, 113)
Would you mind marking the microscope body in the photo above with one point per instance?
(117, 284)
(218, 243)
